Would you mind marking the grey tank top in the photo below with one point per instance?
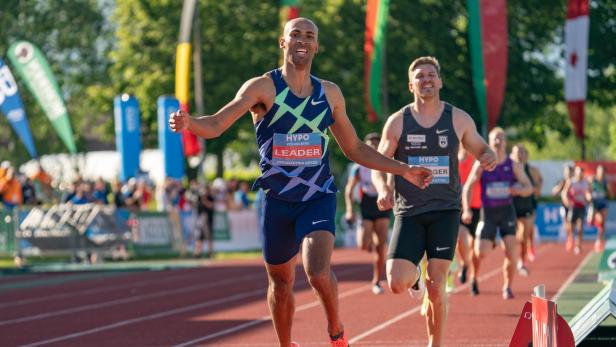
(437, 149)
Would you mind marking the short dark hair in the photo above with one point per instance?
(372, 136)
(423, 61)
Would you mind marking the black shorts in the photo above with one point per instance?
(369, 209)
(501, 219)
(434, 233)
(524, 206)
(472, 226)
(576, 213)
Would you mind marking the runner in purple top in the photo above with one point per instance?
(498, 188)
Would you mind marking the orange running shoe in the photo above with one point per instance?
(599, 246)
(569, 243)
(530, 254)
(340, 341)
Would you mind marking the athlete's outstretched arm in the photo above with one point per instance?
(472, 141)
(253, 92)
(359, 152)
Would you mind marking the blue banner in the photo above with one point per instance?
(128, 134)
(170, 143)
(13, 109)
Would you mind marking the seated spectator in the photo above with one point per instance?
(10, 190)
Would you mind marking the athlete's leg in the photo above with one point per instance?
(364, 235)
(379, 239)
(463, 250)
(280, 298)
(510, 247)
(317, 250)
(437, 310)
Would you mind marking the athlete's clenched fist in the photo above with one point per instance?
(178, 121)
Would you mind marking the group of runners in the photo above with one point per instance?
(412, 168)
(584, 200)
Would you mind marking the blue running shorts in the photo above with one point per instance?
(285, 224)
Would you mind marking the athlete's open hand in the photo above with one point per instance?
(385, 200)
(488, 160)
(178, 121)
(418, 175)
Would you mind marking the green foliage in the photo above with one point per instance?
(99, 49)
(77, 58)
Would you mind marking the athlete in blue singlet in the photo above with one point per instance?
(292, 112)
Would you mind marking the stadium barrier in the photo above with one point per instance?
(585, 325)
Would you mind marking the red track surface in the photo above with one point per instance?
(223, 304)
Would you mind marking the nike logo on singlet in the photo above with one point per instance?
(438, 249)
(318, 221)
(315, 103)
(440, 131)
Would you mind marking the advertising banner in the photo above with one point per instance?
(170, 143)
(13, 109)
(32, 67)
(128, 134)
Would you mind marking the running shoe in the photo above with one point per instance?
(599, 246)
(523, 271)
(474, 288)
(569, 244)
(577, 250)
(463, 273)
(450, 286)
(419, 288)
(377, 289)
(507, 294)
(530, 254)
(340, 341)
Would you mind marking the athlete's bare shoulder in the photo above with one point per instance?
(395, 119)
(462, 121)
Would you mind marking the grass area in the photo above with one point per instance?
(581, 291)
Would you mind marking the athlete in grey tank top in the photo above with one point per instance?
(428, 133)
(435, 147)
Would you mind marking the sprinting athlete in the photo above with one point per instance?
(372, 233)
(498, 188)
(292, 111)
(598, 214)
(426, 132)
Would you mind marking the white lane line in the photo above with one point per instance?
(82, 292)
(414, 310)
(572, 277)
(140, 319)
(105, 304)
(263, 319)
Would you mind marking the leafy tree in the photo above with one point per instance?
(77, 58)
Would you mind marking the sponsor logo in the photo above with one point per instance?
(24, 52)
(438, 249)
(442, 141)
(440, 131)
(319, 221)
(313, 103)
(415, 139)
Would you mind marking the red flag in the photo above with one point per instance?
(576, 59)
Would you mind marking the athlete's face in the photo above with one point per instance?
(425, 81)
(498, 141)
(299, 41)
(520, 153)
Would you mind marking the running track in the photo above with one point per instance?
(223, 304)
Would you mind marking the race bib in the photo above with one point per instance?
(297, 149)
(498, 190)
(438, 164)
